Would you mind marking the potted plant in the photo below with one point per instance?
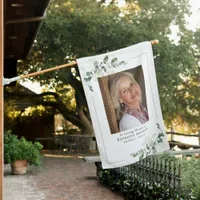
(19, 152)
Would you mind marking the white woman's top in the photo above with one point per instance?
(128, 122)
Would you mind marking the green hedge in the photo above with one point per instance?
(137, 189)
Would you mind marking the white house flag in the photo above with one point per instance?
(122, 95)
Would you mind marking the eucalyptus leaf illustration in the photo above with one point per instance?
(105, 60)
(150, 148)
(104, 68)
(134, 154)
(91, 88)
(162, 134)
(89, 73)
(158, 126)
(96, 64)
(88, 79)
(114, 65)
(100, 67)
(160, 140)
(122, 63)
(114, 60)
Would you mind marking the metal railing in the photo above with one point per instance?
(74, 143)
(71, 144)
(162, 176)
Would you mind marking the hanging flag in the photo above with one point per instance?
(122, 95)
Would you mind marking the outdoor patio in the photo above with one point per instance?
(59, 178)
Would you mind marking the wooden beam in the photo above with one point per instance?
(183, 134)
(24, 20)
(1, 95)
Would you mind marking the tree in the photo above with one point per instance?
(75, 29)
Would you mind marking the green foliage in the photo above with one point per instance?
(21, 149)
(74, 29)
(137, 188)
(190, 174)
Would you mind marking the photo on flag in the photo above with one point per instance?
(124, 99)
(122, 95)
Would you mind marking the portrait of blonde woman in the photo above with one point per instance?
(126, 97)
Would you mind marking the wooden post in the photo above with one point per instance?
(1, 95)
(199, 136)
(172, 133)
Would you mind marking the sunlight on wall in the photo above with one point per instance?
(35, 87)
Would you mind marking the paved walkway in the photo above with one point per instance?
(57, 179)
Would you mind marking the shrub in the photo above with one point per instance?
(134, 188)
(21, 149)
(190, 175)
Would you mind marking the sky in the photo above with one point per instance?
(193, 22)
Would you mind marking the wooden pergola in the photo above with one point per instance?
(20, 21)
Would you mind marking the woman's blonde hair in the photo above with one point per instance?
(114, 81)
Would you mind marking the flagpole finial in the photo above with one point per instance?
(154, 42)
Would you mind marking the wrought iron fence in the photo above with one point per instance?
(153, 178)
(73, 144)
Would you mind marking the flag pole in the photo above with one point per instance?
(153, 42)
(48, 70)
(7, 81)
